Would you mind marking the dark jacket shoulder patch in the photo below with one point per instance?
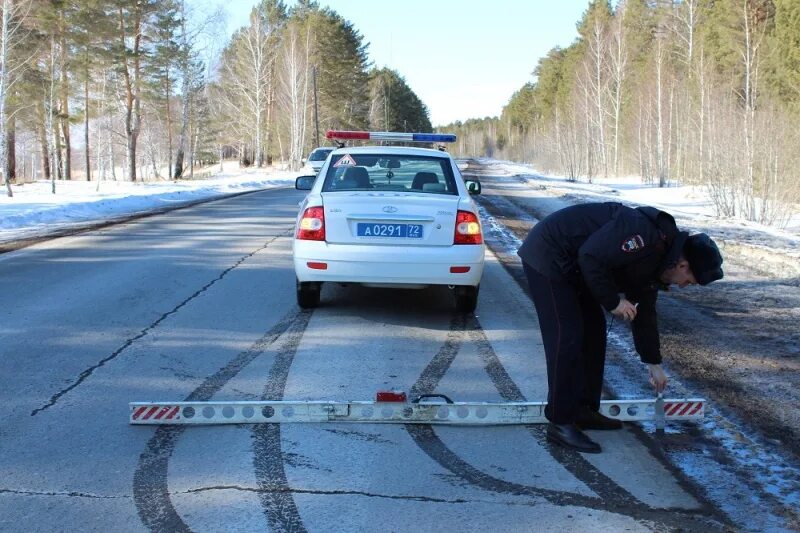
(632, 243)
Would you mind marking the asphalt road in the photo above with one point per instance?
(199, 304)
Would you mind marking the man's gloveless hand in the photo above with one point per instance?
(658, 378)
(625, 310)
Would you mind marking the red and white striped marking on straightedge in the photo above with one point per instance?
(683, 410)
(155, 413)
(394, 408)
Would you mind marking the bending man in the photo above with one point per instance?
(587, 257)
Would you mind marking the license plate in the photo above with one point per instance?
(408, 231)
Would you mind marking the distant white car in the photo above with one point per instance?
(317, 158)
(385, 216)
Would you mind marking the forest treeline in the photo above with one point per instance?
(702, 92)
(135, 79)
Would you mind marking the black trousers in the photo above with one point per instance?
(573, 328)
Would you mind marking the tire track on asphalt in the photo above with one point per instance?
(611, 497)
(598, 482)
(83, 376)
(150, 483)
(277, 498)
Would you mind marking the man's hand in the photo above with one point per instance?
(625, 310)
(658, 378)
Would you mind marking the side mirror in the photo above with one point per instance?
(473, 187)
(303, 161)
(304, 183)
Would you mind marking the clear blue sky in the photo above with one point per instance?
(463, 58)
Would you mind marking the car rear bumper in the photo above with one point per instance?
(388, 265)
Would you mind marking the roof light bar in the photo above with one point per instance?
(391, 136)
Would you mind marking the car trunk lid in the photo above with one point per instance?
(390, 219)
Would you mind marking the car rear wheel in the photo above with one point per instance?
(308, 294)
(466, 298)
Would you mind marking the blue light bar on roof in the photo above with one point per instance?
(391, 136)
(435, 137)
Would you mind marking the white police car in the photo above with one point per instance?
(383, 216)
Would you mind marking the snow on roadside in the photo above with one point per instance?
(34, 210)
(773, 251)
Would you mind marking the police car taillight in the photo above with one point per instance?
(312, 225)
(468, 228)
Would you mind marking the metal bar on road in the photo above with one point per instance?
(456, 413)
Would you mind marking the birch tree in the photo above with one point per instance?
(593, 30)
(185, 59)
(11, 31)
(619, 64)
(753, 33)
(294, 89)
(247, 75)
(598, 83)
(64, 93)
(6, 34)
(660, 60)
(50, 114)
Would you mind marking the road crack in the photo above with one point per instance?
(69, 494)
(289, 490)
(83, 376)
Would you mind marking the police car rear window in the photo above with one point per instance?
(381, 172)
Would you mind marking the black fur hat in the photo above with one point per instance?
(704, 258)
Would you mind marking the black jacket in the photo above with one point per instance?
(610, 249)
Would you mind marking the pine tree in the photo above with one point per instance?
(165, 62)
(193, 83)
(522, 109)
(339, 57)
(130, 54)
(786, 54)
(90, 31)
(394, 106)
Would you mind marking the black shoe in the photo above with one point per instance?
(589, 419)
(569, 436)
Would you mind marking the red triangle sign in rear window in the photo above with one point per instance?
(345, 161)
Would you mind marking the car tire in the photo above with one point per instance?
(308, 294)
(466, 298)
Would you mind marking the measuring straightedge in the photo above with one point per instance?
(394, 408)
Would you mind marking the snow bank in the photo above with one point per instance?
(34, 210)
(772, 251)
